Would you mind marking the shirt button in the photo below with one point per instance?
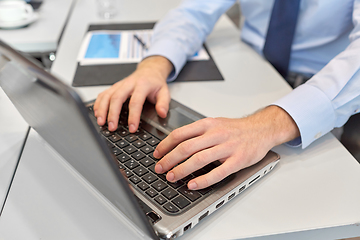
(357, 110)
(317, 135)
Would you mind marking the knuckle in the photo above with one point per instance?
(204, 180)
(166, 163)
(221, 173)
(180, 171)
(184, 149)
(176, 134)
(201, 159)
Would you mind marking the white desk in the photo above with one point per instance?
(312, 193)
(43, 35)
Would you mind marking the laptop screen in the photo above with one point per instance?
(57, 113)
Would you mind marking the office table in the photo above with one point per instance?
(311, 194)
(43, 35)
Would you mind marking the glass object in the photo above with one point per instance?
(107, 8)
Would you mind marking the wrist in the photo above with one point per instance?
(277, 125)
(158, 64)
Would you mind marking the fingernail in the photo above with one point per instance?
(132, 128)
(99, 120)
(156, 154)
(192, 185)
(163, 110)
(111, 126)
(170, 176)
(158, 168)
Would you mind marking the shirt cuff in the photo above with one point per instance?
(312, 112)
(170, 50)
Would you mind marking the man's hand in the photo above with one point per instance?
(147, 82)
(237, 143)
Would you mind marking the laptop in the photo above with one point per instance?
(119, 164)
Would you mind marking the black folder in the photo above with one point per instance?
(108, 74)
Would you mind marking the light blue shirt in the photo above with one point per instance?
(326, 43)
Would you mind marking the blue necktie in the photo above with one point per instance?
(280, 34)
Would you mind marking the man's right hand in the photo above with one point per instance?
(147, 82)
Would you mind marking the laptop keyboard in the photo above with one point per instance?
(133, 152)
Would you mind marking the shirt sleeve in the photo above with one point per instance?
(181, 33)
(331, 96)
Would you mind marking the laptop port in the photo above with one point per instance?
(187, 227)
(203, 216)
(242, 189)
(231, 196)
(254, 180)
(153, 217)
(220, 204)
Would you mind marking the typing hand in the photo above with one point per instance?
(147, 82)
(237, 143)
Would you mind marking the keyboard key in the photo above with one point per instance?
(149, 178)
(122, 143)
(151, 192)
(143, 186)
(152, 168)
(159, 185)
(190, 194)
(163, 177)
(121, 166)
(122, 132)
(116, 151)
(140, 171)
(181, 202)
(128, 173)
(160, 199)
(188, 178)
(106, 133)
(130, 149)
(115, 137)
(152, 141)
(135, 179)
(146, 161)
(138, 155)
(169, 193)
(144, 136)
(131, 137)
(147, 149)
(139, 143)
(176, 184)
(199, 172)
(131, 164)
(123, 157)
(205, 190)
(170, 207)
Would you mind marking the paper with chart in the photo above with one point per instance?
(126, 46)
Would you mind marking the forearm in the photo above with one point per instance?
(183, 30)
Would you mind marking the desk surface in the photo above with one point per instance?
(44, 34)
(311, 194)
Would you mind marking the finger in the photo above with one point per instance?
(179, 135)
(185, 150)
(117, 100)
(197, 161)
(162, 102)
(102, 109)
(214, 176)
(135, 107)
(101, 105)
